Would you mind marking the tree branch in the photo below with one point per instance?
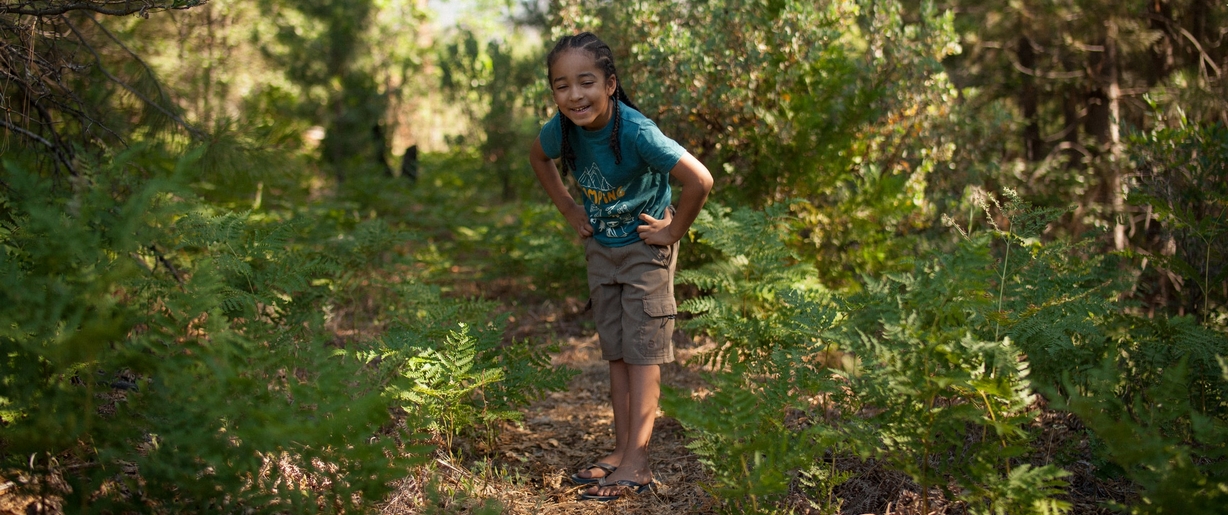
(54, 149)
(158, 85)
(98, 60)
(31, 98)
(1044, 75)
(47, 86)
(112, 8)
(1202, 54)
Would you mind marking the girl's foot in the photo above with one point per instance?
(616, 483)
(622, 487)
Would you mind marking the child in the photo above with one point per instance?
(620, 160)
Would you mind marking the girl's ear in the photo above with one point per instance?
(611, 85)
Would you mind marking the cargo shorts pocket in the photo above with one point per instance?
(657, 328)
(658, 306)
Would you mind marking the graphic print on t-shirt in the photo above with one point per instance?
(606, 213)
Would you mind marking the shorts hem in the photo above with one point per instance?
(649, 361)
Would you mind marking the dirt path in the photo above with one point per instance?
(528, 466)
(569, 429)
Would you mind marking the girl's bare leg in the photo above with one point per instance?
(640, 386)
(619, 395)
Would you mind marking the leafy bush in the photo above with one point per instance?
(1183, 179)
(935, 371)
(162, 354)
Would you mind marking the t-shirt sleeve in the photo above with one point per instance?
(660, 152)
(551, 138)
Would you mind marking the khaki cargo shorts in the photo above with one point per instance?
(631, 289)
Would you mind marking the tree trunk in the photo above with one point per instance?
(1161, 64)
(1028, 99)
(1104, 123)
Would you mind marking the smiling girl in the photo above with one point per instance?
(622, 163)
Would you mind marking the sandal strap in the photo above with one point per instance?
(609, 469)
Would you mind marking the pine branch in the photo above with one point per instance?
(111, 8)
(196, 133)
(55, 149)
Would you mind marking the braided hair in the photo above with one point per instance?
(594, 46)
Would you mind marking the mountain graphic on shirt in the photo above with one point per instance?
(593, 180)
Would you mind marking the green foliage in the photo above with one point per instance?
(743, 305)
(462, 378)
(1026, 489)
(177, 355)
(915, 382)
(498, 89)
(533, 240)
(343, 66)
(944, 399)
(1167, 444)
(443, 378)
(1053, 299)
(757, 426)
(933, 371)
(1183, 179)
(173, 357)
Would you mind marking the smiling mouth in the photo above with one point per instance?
(580, 110)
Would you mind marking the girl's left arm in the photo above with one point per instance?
(696, 183)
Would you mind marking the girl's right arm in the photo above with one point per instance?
(548, 175)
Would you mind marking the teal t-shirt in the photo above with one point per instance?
(616, 194)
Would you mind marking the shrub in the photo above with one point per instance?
(163, 354)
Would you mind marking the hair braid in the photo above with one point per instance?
(569, 154)
(615, 146)
(604, 57)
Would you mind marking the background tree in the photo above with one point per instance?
(1079, 77)
(500, 89)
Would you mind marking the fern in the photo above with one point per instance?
(1163, 440)
(758, 426)
(939, 387)
(746, 285)
(135, 329)
(460, 378)
(918, 377)
(214, 324)
(443, 379)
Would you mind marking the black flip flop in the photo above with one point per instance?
(635, 488)
(609, 469)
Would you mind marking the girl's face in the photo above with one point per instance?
(581, 89)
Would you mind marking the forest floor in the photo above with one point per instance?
(526, 467)
(523, 467)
